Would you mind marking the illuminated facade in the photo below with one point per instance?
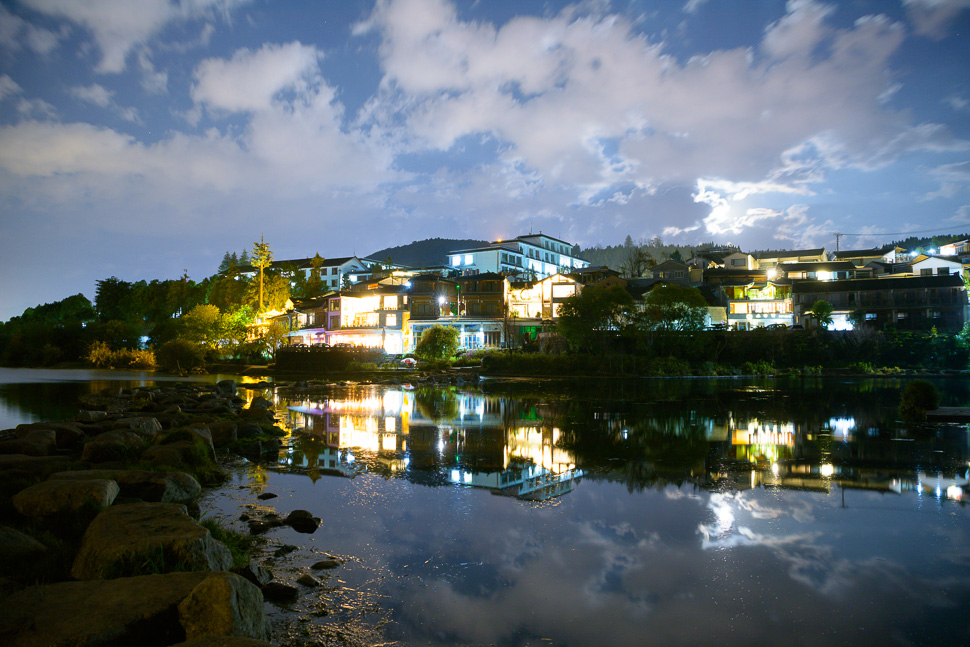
(756, 304)
(534, 254)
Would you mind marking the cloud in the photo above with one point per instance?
(94, 93)
(8, 87)
(118, 26)
(932, 18)
(556, 93)
(251, 80)
(16, 33)
(953, 179)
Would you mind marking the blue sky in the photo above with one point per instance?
(141, 138)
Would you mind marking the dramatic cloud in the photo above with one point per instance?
(933, 17)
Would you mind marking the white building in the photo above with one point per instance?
(536, 253)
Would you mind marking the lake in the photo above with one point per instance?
(669, 512)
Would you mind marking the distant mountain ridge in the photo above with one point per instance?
(424, 253)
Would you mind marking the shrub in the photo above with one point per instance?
(917, 398)
(99, 355)
(438, 342)
(180, 356)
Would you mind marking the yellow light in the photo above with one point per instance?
(827, 470)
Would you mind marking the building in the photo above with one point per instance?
(905, 302)
(536, 255)
(335, 273)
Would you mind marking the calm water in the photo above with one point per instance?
(688, 512)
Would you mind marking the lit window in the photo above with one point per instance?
(391, 320)
(455, 261)
(468, 259)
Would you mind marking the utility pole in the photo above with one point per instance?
(837, 236)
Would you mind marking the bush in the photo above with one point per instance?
(100, 355)
(180, 356)
(917, 398)
(438, 343)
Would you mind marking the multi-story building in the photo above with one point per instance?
(335, 273)
(536, 254)
(909, 303)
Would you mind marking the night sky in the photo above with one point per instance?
(141, 138)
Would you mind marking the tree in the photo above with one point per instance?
(276, 336)
(636, 261)
(673, 307)
(585, 319)
(112, 299)
(262, 258)
(821, 311)
(202, 325)
(438, 343)
(314, 284)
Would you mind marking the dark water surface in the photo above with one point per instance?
(658, 512)
(692, 512)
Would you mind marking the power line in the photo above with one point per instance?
(899, 233)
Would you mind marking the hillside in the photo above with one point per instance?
(424, 253)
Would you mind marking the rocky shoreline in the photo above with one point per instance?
(100, 538)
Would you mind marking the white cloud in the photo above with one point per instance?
(800, 31)
(120, 25)
(250, 81)
(15, 33)
(8, 87)
(953, 178)
(94, 93)
(933, 17)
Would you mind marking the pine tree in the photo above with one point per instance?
(262, 257)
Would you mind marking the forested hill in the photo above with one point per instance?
(423, 253)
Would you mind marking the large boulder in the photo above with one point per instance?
(65, 498)
(17, 549)
(145, 427)
(35, 442)
(113, 446)
(164, 487)
(223, 432)
(123, 537)
(143, 611)
(224, 604)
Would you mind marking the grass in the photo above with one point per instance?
(239, 544)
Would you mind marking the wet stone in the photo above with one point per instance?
(279, 592)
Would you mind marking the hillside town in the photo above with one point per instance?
(504, 294)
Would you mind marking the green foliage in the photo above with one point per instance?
(438, 343)
(100, 355)
(202, 325)
(261, 259)
(821, 311)
(918, 397)
(180, 356)
(759, 368)
(673, 307)
(588, 320)
(239, 544)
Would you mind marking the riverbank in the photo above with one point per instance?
(100, 536)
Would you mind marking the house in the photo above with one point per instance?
(863, 257)
(740, 261)
(674, 271)
(822, 271)
(905, 302)
(958, 248)
(333, 271)
(925, 265)
(758, 302)
(767, 260)
(536, 254)
(541, 299)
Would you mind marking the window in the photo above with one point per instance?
(737, 262)
(942, 270)
(926, 271)
(468, 259)
(333, 270)
(390, 319)
(455, 261)
(870, 316)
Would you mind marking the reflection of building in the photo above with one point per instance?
(469, 438)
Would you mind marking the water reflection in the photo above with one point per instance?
(430, 436)
(540, 447)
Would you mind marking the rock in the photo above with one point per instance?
(223, 641)
(308, 580)
(224, 604)
(223, 432)
(113, 446)
(36, 442)
(279, 592)
(17, 549)
(91, 416)
(260, 403)
(141, 611)
(326, 564)
(302, 521)
(144, 427)
(126, 533)
(284, 550)
(266, 496)
(192, 434)
(165, 487)
(254, 573)
(55, 498)
(249, 430)
(259, 527)
(227, 387)
(99, 402)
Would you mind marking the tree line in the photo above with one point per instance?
(212, 314)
